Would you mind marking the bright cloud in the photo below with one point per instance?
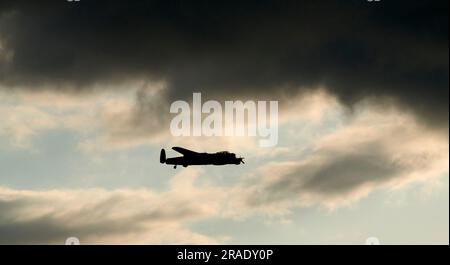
(376, 150)
(108, 216)
(327, 159)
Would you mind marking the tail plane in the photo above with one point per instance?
(162, 156)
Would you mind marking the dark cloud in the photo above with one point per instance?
(337, 176)
(36, 218)
(341, 175)
(351, 163)
(391, 49)
(148, 117)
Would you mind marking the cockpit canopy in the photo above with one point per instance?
(226, 153)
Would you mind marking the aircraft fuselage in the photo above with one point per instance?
(194, 158)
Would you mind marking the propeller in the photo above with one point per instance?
(241, 160)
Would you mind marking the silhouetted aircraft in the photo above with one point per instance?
(193, 158)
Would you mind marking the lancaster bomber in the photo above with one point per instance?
(194, 158)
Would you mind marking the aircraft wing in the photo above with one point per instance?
(184, 151)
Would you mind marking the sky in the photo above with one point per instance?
(362, 90)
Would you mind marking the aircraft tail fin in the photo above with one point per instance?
(162, 156)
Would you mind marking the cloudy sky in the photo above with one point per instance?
(363, 148)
